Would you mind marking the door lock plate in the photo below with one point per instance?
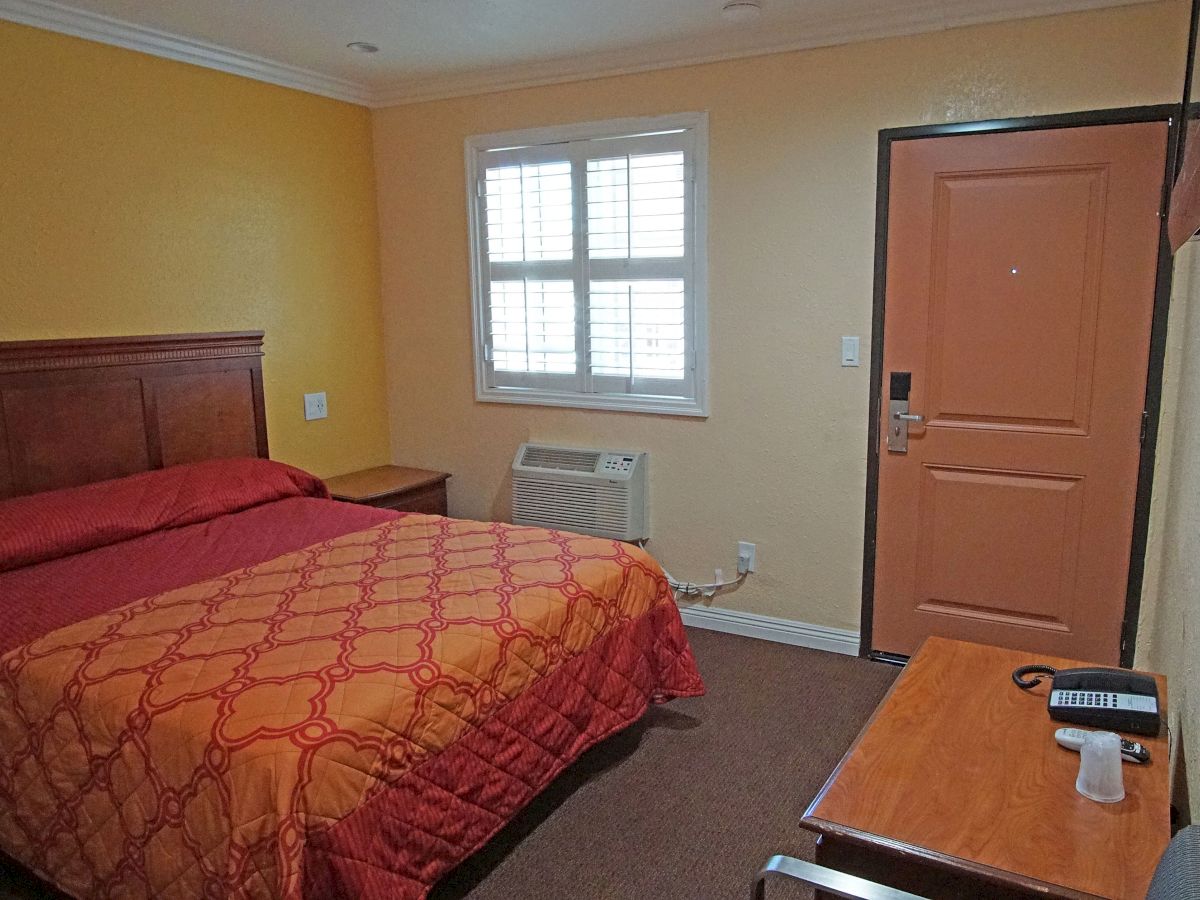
(897, 428)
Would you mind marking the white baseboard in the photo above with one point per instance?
(770, 628)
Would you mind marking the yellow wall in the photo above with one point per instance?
(781, 461)
(139, 195)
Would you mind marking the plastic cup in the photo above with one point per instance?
(1100, 777)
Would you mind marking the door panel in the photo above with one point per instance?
(1053, 219)
(967, 513)
(1020, 285)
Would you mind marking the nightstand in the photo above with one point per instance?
(393, 487)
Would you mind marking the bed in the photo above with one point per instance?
(215, 681)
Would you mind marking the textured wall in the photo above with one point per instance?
(1169, 632)
(139, 195)
(781, 461)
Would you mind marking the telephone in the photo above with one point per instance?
(1114, 699)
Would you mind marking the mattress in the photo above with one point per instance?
(260, 692)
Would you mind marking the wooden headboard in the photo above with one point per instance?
(77, 411)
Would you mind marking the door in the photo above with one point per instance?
(1019, 291)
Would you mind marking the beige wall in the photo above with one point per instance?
(781, 460)
(1169, 633)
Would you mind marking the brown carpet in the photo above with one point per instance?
(686, 804)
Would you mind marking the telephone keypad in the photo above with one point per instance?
(1102, 700)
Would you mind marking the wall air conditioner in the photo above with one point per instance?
(600, 492)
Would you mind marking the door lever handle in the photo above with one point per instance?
(908, 417)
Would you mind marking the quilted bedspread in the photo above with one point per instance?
(350, 719)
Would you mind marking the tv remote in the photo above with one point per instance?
(1072, 739)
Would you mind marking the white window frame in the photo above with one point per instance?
(572, 394)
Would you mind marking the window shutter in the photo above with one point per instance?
(529, 243)
(529, 212)
(636, 206)
(585, 262)
(638, 329)
(533, 326)
(640, 266)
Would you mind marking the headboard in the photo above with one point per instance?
(81, 410)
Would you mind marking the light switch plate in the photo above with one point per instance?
(850, 350)
(315, 406)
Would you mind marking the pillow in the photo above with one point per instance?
(45, 526)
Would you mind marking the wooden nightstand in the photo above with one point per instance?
(393, 487)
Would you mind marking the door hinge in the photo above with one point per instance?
(1145, 427)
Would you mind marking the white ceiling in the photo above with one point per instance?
(434, 48)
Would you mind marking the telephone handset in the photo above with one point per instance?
(1114, 699)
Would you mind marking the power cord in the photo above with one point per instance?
(693, 589)
(709, 590)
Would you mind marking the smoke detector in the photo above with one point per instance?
(741, 12)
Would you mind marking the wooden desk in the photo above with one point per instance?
(956, 788)
(393, 487)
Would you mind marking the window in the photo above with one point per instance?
(588, 264)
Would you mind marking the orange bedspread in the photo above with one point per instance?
(193, 743)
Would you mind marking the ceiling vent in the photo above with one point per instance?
(598, 492)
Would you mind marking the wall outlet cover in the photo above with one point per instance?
(315, 406)
(747, 557)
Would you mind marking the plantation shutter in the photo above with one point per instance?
(586, 267)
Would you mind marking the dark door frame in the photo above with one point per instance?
(1167, 112)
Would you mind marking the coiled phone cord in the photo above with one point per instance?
(1026, 683)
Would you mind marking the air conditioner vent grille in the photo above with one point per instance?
(571, 506)
(560, 459)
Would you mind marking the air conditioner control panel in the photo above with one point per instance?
(615, 464)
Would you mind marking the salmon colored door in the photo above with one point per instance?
(1020, 285)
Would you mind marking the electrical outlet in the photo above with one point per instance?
(315, 406)
(747, 557)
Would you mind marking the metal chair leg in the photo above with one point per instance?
(829, 880)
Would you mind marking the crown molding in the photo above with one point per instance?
(851, 29)
(928, 18)
(106, 30)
